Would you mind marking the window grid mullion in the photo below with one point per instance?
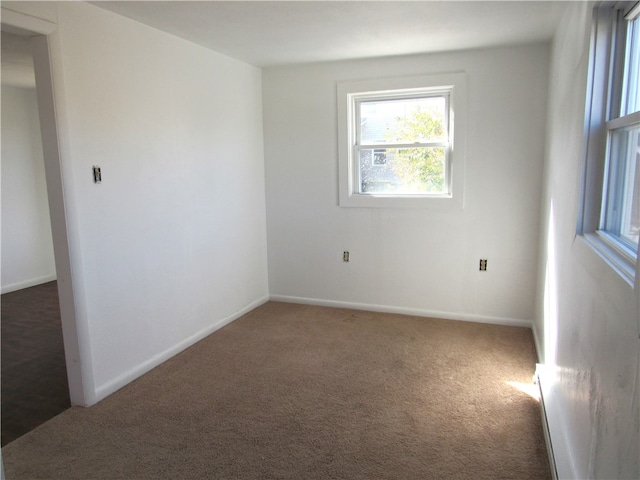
(389, 146)
(625, 121)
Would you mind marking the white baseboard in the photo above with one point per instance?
(28, 283)
(545, 421)
(467, 317)
(116, 384)
(558, 445)
(537, 343)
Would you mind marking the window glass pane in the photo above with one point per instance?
(622, 201)
(403, 171)
(630, 94)
(407, 120)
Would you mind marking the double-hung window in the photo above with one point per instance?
(611, 194)
(401, 142)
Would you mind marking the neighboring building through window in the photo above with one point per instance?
(610, 218)
(397, 141)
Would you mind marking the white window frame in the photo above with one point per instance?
(603, 117)
(349, 93)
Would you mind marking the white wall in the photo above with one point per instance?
(27, 246)
(587, 317)
(412, 260)
(172, 244)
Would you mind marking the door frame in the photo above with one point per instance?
(46, 57)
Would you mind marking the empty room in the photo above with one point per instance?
(338, 239)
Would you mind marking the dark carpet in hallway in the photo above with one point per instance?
(34, 386)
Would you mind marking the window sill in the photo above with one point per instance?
(621, 262)
(429, 202)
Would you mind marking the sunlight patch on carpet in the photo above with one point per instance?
(528, 388)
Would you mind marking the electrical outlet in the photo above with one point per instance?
(483, 264)
(345, 256)
(97, 174)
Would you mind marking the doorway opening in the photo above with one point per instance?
(34, 376)
(43, 39)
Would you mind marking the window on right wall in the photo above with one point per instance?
(610, 216)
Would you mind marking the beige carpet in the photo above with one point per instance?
(300, 392)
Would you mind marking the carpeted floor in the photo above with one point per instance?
(34, 373)
(301, 392)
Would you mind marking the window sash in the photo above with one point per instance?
(390, 96)
(402, 95)
(358, 179)
(619, 181)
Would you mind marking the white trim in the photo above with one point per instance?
(12, 287)
(47, 62)
(418, 312)
(16, 22)
(561, 460)
(545, 424)
(633, 12)
(624, 121)
(117, 383)
(612, 256)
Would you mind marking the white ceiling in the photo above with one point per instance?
(269, 33)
